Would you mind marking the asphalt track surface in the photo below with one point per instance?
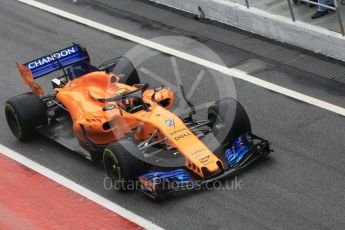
(300, 186)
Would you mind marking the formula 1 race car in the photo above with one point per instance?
(105, 113)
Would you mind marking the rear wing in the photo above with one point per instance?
(57, 60)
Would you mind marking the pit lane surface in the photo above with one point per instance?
(301, 186)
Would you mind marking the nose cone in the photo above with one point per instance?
(206, 164)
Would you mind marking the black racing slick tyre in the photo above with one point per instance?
(24, 113)
(228, 120)
(123, 68)
(127, 72)
(122, 166)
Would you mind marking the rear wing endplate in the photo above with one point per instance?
(29, 80)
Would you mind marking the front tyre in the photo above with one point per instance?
(24, 113)
(122, 166)
(229, 120)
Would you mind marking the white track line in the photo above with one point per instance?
(77, 188)
(231, 72)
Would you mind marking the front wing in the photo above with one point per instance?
(161, 183)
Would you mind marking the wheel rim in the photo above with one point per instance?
(12, 120)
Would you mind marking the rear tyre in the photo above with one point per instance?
(122, 164)
(24, 113)
(229, 120)
(127, 72)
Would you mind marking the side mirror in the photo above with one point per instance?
(158, 88)
(155, 90)
(113, 79)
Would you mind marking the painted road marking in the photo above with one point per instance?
(78, 188)
(223, 69)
